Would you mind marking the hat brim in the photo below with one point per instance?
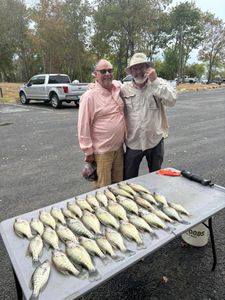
(149, 63)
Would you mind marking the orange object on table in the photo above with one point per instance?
(168, 172)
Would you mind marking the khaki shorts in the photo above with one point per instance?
(109, 167)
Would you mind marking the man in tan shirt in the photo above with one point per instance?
(145, 97)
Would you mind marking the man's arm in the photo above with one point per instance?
(85, 119)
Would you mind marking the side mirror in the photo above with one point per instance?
(29, 84)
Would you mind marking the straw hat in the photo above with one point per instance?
(138, 58)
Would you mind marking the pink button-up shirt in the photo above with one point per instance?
(101, 123)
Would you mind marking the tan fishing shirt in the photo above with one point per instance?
(145, 113)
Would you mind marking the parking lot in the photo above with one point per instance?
(41, 164)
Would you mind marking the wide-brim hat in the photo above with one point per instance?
(138, 58)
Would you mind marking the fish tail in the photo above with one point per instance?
(94, 275)
(106, 260)
(36, 262)
(129, 252)
(33, 297)
(117, 258)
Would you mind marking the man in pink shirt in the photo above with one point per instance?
(101, 125)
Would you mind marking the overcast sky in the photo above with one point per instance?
(216, 7)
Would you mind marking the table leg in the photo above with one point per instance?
(18, 287)
(210, 227)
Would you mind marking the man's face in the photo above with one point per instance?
(103, 73)
(138, 73)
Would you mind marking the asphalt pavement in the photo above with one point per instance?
(41, 164)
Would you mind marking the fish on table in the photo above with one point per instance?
(22, 228)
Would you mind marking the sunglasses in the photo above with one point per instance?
(104, 71)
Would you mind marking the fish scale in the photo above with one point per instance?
(40, 278)
(78, 227)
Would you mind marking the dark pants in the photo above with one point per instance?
(133, 159)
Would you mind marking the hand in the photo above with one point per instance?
(89, 158)
(151, 74)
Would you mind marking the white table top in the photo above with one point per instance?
(202, 202)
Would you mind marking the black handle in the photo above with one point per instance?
(196, 178)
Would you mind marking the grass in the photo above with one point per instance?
(10, 91)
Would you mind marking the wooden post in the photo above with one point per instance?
(1, 92)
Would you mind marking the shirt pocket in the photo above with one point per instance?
(152, 102)
(129, 102)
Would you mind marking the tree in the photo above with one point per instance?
(13, 23)
(123, 26)
(213, 46)
(186, 32)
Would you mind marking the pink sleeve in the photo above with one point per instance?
(85, 117)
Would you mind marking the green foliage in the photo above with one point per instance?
(69, 36)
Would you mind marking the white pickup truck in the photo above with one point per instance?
(52, 88)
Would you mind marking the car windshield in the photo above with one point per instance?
(58, 79)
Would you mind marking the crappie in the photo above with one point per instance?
(35, 248)
(50, 238)
(179, 208)
(110, 195)
(92, 247)
(69, 214)
(116, 240)
(161, 215)
(37, 225)
(101, 197)
(47, 219)
(120, 192)
(131, 232)
(92, 201)
(58, 215)
(172, 213)
(106, 247)
(160, 198)
(63, 264)
(128, 204)
(152, 219)
(117, 210)
(22, 228)
(65, 234)
(40, 278)
(91, 222)
(138, 187)
(75, 209)
(79, 255)
(83, 204)
(127, 188)
(78, 228)
(106, 218)
(142, 202)
(140, 223)
(148, 197)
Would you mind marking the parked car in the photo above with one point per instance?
(52, 88)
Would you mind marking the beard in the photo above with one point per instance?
(140, 79)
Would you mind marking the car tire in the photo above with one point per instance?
(55, 101)
(23, 99)
(76, 102)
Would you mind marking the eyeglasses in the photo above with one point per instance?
(104, 71)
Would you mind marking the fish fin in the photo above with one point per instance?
(94, 275)
(36, 263)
